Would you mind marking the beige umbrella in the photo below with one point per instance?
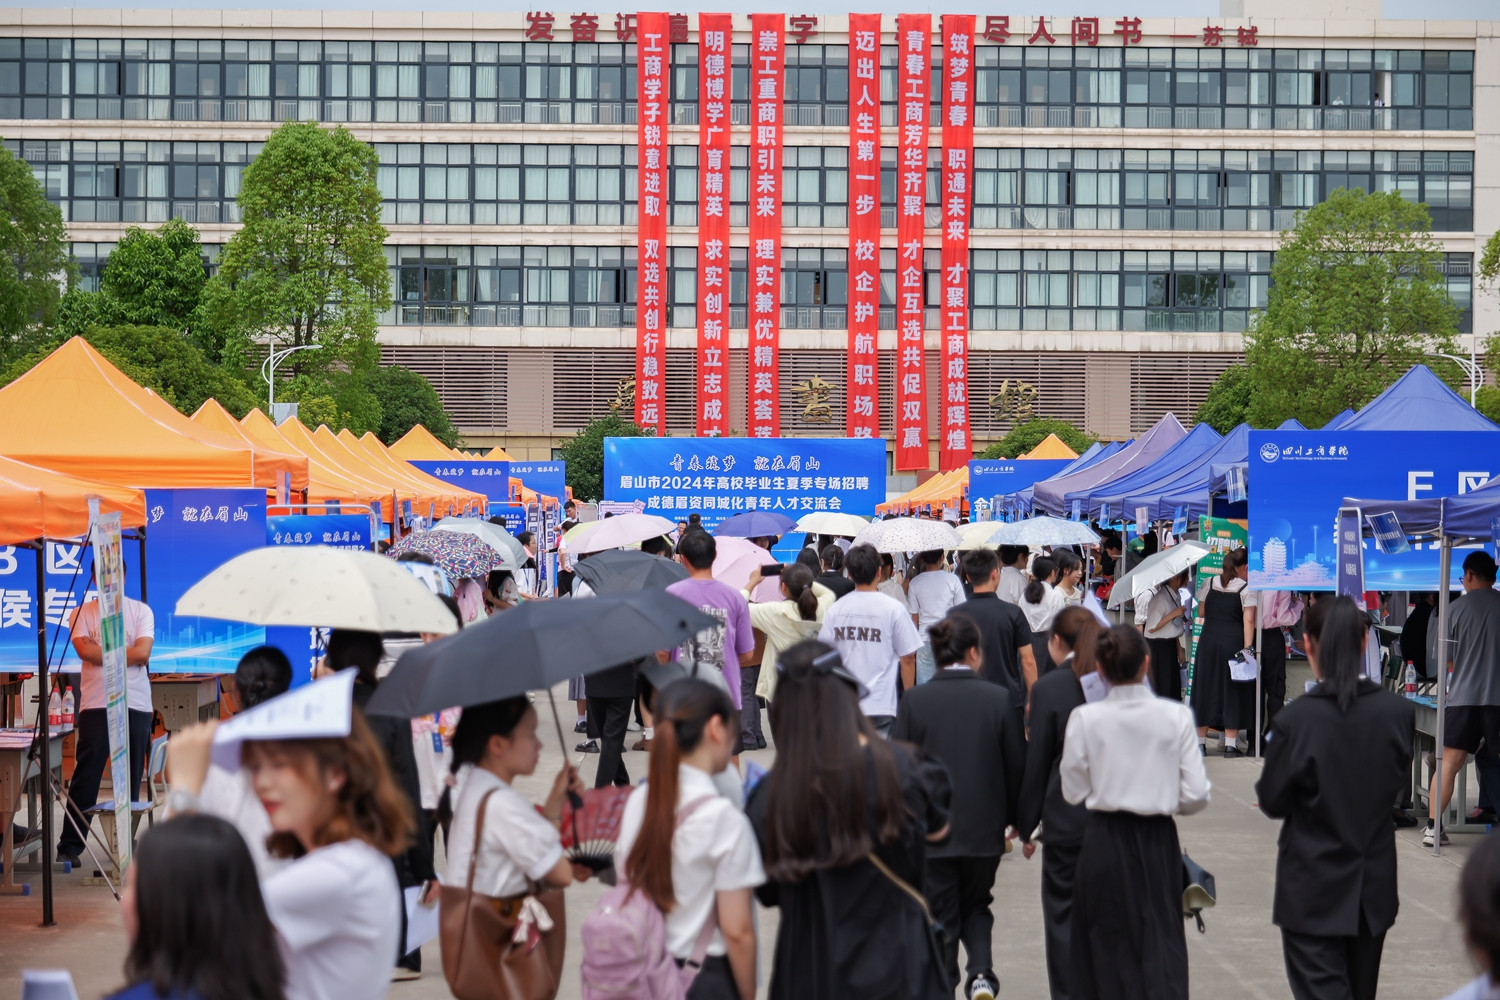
(832, 522)
(318, 586)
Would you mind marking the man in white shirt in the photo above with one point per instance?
(873, 635)
(930, 595)
(1012, 573)
(92, 722)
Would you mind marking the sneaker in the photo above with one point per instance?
(581, 726)
(1427, 838)
(982, 989)
(401, 974)
(62, 856)
(588, 746)
(642, 744)
(1233, 751)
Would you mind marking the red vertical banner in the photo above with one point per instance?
(954, 448)
(913, 66)
(767, 56)
(713, 224)
(652, 94)
(863, 417)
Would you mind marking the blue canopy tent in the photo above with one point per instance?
(1201, 440)
(1146, 449)
(1096, 452)
(1418, 401)
(1293, 424)
(1191, 486)
(1337, 421)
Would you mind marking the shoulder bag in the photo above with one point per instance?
(496, 948)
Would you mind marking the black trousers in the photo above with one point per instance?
(1333, 968)
(714, 981)
(751, 734)
(1272, 675)
(959, 892)
(88, 767)
(1166, 671)
(610, 719)
(1059, 863)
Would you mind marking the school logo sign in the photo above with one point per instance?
(1269, 452)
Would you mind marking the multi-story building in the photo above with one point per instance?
(1130, 179)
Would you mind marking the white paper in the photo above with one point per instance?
(47, 984)
(421, 920)
(1091, 602)
(319, 710)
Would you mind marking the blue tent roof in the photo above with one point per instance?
(1190, 487)
(1186, 452)
(1464, 516)
(1338, 420)
(1096, 453)
(1291, 424)
(1418, 401)
(1146, 449)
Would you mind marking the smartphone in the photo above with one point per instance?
(774, 569)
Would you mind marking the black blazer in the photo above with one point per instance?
(615, 682)
(1053, 698)
(1333, 777)
(967, 723)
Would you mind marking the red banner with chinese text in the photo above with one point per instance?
(862, 419)
(957, 180)
(713, 224)
(652, 96)
(913, 59)
(767, 56)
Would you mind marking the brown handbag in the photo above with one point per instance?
(481, 959)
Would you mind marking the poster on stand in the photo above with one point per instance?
(109, 570)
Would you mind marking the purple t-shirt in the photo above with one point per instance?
(723, 645)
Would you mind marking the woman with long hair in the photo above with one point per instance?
(1131, 759)
(690, 849)
(843, 819)
(1053, 699)
(1069, 576)
(1041, 602)
(793, 619)
(198, 928)
(1336, 759)
(1219, 701)
(1166, 617)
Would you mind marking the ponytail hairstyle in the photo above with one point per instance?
(1041, 572)
(952, 638)
(1121, 652)
(682, 711)
(798, 581)
(1340, 635)
(472, 734)
(1078, 629)
(1233, 560)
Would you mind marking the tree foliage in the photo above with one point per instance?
(1227, 404)
(1357, 297)
(34, 261)
(154, 277)
(1027, 436)
(408, 399)
(584, 453)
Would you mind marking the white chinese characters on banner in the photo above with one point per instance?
(767, 56)
(862, 417)
(714, 32)
(652, 98)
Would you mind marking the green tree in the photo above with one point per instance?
(1227, 404)
(1027, 436)
(33, 257)
(1357, 297)
(1489, 276)
(154, 277)
(308, 267)
(408, 399)
(584, 453)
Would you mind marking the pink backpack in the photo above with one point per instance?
(625, 954)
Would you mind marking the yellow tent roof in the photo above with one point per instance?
(418, 445)
(456, 496)
(497, 455)
(1051, 446)
(327, 481)
(40, 503)
(942, 490)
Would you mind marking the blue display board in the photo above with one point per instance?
(719, 477)
(550, 479)
(1298, 479)
(989, 478)
(492, 479)
(340, 531)
(514, 515)
(66, 586)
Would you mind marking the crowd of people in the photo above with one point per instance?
(930, 714)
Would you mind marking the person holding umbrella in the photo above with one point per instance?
(721, 646)
(1165, 617)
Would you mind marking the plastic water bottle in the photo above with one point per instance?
(69, 704)
(1411, 679)
(54, 709)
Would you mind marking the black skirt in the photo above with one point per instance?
(1218, 701)
(1166, 673)
(1128, 941)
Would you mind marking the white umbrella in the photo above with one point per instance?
(619, 531)
(909, 534)
(1154, 569)
(1044, 531)
(512, 553)
(832, 522)
(318, 586)
(976, 535)
(736, 559)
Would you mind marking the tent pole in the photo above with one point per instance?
(44, 728)
(1435, 800)
(1259, 646)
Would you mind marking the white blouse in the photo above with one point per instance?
(518, 845)
(338, 913)
(1040, 615)
(1163, 602)
(1134, 752)
(714, 850)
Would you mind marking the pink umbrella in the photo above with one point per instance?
(737, 558)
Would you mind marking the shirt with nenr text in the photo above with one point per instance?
(871, 633)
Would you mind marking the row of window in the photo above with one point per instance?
(1158, 290)
(582, 83)
(586, 185)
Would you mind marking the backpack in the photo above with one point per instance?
(625, 954)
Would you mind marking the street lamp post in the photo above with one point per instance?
(1469, 366)
(268, 369)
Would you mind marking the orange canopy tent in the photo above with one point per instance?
(401, 474)
(326, 482)
(943, 490)
(497, 455)
(214, 418)
(79, 415)
(39, 503)
(453, 499)
(418, 445)
(1051, 446)
(350, 467)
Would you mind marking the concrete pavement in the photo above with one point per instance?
(1239, 958)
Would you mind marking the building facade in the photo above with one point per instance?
(1129, 181)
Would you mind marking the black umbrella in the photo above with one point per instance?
(533, 647)
(620, 571)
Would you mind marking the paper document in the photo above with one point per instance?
(421, 919)
(320, 710)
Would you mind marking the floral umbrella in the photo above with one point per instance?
(462, 557)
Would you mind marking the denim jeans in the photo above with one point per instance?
(926, 664)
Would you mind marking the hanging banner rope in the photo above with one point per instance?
(767, 56)
(713, 224)
(957, 183)
(652, 98)
(913, 66)
(862, 419)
